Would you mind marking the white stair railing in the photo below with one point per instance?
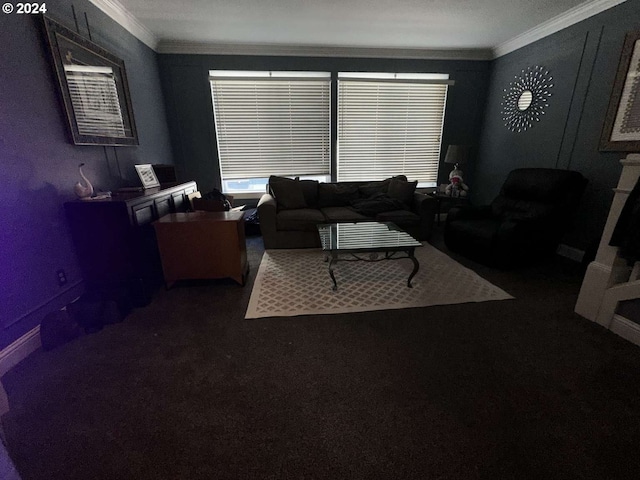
(609, 279)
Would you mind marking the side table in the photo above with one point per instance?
(440, 197)
(202, 245)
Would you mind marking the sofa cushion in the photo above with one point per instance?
(287, 192)
(402, 190)
(310, 192)
(342, 214)
(299, 219)
(375, 205)
(336, 194)
(402, 218)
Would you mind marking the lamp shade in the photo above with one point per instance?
(457, 154)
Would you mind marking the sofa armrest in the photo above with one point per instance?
(425, 207)
(267, 210)
(268, 201)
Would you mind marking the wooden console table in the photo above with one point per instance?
(115, 242)
(202, 245)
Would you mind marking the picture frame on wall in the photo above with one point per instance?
(621, 131)
(94, 88)
(147, 176)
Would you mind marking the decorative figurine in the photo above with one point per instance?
(457, 187)
(81, 190)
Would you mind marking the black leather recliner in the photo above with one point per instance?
(523, 224)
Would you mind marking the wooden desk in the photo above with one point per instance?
(202, 245)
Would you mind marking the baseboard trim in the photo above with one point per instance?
(625, 328)
(20, 349)
(14, 354)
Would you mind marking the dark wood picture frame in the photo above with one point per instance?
(101, 115)
(621, 130)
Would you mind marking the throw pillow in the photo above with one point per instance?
(288, 193)
(373, 206)
(402, 190)
(336, 194)
(310, 192)
(372, 189)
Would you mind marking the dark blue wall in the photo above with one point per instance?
(185, 80)
(583, 60)
(38, 164)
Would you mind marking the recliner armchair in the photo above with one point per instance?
(525, 222)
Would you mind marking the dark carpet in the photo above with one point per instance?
(187, 389)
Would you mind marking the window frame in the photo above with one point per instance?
(359, 80)
(304, 135)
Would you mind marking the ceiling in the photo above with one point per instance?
(489, 27)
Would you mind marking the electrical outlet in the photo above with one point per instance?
(62, 277)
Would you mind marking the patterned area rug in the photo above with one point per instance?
(297, 282)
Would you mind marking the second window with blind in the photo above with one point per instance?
(278, 123)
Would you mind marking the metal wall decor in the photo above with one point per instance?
(526, 98)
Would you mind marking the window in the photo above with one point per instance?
(390, 124)
(271, 123)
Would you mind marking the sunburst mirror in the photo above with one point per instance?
(526, 98)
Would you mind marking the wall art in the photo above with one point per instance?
(621, 130)
(94, 89)
(526, 98)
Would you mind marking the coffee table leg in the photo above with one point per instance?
(416, 266)
(334, 260)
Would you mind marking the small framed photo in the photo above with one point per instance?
(147, 176)
(621, 132)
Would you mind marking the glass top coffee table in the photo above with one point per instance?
(369, 242)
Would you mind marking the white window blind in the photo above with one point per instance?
(95, 100)
(390, 124)
(272, 123)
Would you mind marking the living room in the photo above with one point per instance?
(172, 103)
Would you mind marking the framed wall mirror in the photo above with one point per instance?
(94, 89)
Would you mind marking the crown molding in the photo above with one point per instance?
(562, 21)
(201, 48)
(121, 15)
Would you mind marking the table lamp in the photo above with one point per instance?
(457, 154)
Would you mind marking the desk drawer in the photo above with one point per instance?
(163, 206)
(143, 213)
